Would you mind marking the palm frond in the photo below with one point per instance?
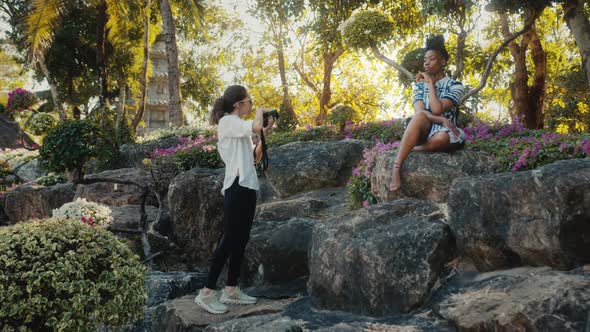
(119, 21)
(41, 24)
(191, 9)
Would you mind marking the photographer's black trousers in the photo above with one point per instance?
(239, 206)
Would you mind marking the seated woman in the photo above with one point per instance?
(436, 100)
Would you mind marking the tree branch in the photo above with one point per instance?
(390, 62)
(491, 60)
(306, 79)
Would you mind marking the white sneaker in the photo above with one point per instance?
(211, 302)
(236, 297)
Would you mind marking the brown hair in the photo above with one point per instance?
(225, 103)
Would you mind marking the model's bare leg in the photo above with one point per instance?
(439, 142)
(416, 130)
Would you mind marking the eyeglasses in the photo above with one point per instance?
(249, 100)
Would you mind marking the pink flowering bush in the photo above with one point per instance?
(518, 149)
(359, 185)
(20, 100)
(200, 151)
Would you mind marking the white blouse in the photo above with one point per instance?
(236, 150)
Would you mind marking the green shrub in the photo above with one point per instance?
(41, 123)
(71, 144)
(198, 157)
(365, 28)
(62, 275)
(2, 109)
(414, 63)
(384, 131)
(308, 134)
(51, 180)
(340, 115)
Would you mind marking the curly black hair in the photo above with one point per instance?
(437, 43)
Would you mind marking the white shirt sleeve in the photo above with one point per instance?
(235, 127)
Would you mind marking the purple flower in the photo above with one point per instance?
(366, 204)
(585, 144)
(308, 127)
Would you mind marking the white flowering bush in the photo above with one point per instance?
(90, 213)
(366, 27)
(16, 157)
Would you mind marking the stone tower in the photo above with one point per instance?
(157, 114)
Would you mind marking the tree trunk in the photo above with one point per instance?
(122, 101)
(288, 117)
(101, 56)
(579, 25)
(538, 91)
(53, 89)
(528, 102)
(326, 95)
(144, 68)
(169, 31)
(461, 40)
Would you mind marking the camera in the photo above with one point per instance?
(274, 113)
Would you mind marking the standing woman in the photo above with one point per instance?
(239, 191)
(433, 127)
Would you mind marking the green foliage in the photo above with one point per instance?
(198, 157)
(184, 131)
(309, 134)
(2, 109)
(414, 62)
(41, 123)
(4, 168)
(384, 131)
(71, 144)
(366, 28)
(340, 115)
(63, 275)
(51, 179)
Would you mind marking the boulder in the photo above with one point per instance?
(264, 323)
(522, 299)
(30, 171)
(277, 251)
(128, 216)
(36, 201)
(538, 217)
(292, 208)
(379, 261)
(183, 314)
(117, 194)
(196, 211)
(428, 176)
(164, 286)
(304, 166)
(131, 154)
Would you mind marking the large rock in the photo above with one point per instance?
(304, 166)
(36, 201)
(301, 316)
(128, 216)
(164, 286)
(287, 209)
(428, 175)
(538, 217)
(523, 299)
(105, 193)
(264, 323)
(196, 211)
(277, 251)
(131, 154)
(30, 171)
(379, 261)
(183, 314)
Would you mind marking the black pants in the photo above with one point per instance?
(239, 205)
